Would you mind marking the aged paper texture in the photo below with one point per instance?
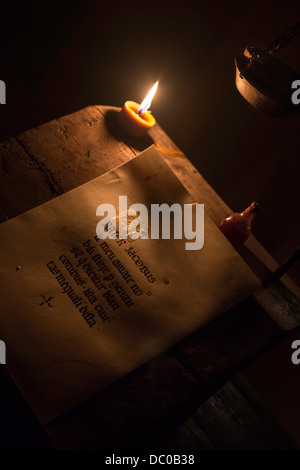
(77, 313)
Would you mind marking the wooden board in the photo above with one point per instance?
(62, 154)
(232, 419)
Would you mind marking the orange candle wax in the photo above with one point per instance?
(135, 118)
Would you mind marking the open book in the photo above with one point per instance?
(77, 312)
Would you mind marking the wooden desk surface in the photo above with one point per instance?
(49, 160)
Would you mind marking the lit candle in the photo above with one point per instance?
(136, 119)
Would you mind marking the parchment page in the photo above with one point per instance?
(77, 313)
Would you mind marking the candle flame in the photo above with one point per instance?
(145, 105)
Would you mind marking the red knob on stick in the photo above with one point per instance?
(237, 226)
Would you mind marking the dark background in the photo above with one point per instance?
(57, 57)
